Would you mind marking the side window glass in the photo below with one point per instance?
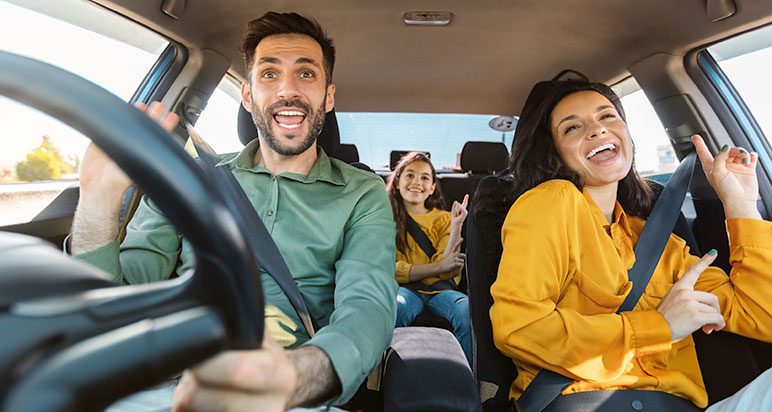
(217, 124)
(654, 155)
(39, 156)
(746, 60)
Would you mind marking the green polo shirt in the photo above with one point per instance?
(334, 228)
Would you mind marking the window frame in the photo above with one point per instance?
(732, 112)
(162, 74)
(154, 85)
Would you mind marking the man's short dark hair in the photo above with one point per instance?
(273, 23)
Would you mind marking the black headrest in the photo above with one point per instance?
(328, 139)
(484, 157)
(347, 153)
(396, 155)
(362, 166)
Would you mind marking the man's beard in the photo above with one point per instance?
(263, 121)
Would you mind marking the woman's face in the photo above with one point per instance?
(591, 138)
(416, 183)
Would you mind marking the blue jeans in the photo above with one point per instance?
(449, 304)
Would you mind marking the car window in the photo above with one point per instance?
(746, 60)
(442, 135)
(39, 156)
(654, 154)
(217, 123)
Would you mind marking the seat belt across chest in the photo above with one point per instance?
(264, 250)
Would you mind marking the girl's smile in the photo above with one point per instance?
(416, 185)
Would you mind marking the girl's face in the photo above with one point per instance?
(591, 138)
(416, 183)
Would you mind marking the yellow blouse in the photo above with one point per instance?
(436, 225)
(562, 277)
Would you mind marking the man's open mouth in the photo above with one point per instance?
(289, 119)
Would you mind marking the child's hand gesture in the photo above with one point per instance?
(458, 213)
(457, 216)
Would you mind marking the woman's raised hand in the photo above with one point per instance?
(732, 174)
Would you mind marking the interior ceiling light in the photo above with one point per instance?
(427, 18)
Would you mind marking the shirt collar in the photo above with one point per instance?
(322, 170)
(620, 217)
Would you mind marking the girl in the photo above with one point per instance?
(428, 277)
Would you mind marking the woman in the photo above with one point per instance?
(568, 242)
(428, 279)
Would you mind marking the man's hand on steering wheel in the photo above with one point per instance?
(250, 380)
(102, 186)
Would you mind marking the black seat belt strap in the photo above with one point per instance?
(419, 236)
(264, 249)
(547, 385)
(425, 244)
(657, 230)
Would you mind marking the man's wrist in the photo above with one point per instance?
(95, 224)
(101, 199)
(317, 380)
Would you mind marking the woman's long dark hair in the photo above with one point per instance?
(434, 201)
(534, 159)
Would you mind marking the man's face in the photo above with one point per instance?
(286, 93)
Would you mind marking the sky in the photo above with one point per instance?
(119, 68)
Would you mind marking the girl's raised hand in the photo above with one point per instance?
(458, 212)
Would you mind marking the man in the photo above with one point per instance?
(332, 219)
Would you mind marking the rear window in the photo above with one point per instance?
(442, 135)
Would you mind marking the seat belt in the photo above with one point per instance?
(425, 244)
(419, 236)
(264, 249)
(548, 385)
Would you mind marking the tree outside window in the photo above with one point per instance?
(45, 162)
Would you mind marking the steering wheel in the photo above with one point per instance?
(73, 339)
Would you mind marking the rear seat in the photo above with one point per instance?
(478, 159)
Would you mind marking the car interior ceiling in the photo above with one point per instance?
(628, 36)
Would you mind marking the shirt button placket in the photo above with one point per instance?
(272, 203)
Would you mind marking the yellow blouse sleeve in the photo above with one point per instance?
(745, 296)
(403, 268)
(440, 234)
(539, 235)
